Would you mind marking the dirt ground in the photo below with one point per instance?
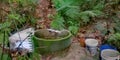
(74, 52)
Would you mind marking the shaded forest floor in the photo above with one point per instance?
(75, 52)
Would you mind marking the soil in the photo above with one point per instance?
(74, 52)
(44, 11)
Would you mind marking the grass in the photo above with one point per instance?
(5, 55)
(1, 38)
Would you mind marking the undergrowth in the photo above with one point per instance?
(19, 13)
(76, 13)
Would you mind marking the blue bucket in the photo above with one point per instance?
(106, 46)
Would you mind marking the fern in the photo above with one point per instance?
(84, 18)
(66, 7)
(78, 12)
(117, 24)
(100, 5)
(73, 29)
(18, 16)
(73, 13)
(5, 26)
(114, 40)
(58, 22)
(85, 15)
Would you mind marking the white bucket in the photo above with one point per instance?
(110, 54)
(92, 46)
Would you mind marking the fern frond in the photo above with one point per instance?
(58, 22)
(72, 13)
(73, 29)
(98, 12)
(84, 19)
(14, 16)
(61, 4)
(99, 6)
(5, 26)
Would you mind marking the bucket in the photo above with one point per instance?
(92, 46)
(106, 46)
(110, 54)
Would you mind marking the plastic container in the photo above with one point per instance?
(44, 46)
(106, 46)
(110, 54)
(92, 46)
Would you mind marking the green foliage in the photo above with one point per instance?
(85, 15)
(78, 12)
(4, 1)
(112, 2)
(117, 23)
(20, 13)
(5, 25)
(5, 57)
(114, 40)
(111, 7)
(57, 23)
(34, 56)
(26, 2)
(73, 29)
(14, 16)
(99, 6)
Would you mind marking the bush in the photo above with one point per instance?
(77, 13)
(114, 40)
